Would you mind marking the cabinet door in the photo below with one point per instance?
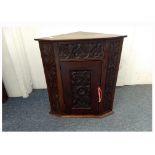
(80, 81)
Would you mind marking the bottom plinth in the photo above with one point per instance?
(83, 116)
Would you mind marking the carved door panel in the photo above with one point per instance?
(80, 81)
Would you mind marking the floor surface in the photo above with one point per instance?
(132, 112)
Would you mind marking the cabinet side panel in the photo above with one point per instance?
(114, 54)
(48, 59)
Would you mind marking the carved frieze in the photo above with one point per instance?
(77, 50)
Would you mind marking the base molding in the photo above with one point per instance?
(84, 116)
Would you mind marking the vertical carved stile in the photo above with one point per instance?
(48, 58)
(115, 47)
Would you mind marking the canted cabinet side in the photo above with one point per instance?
(49, 63)
(114, 54)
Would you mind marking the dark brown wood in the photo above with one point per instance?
(75, 68)
(114, 54)
(49, 63)
(80, 83)
(76, 36)
(4, 93)
(86, 115)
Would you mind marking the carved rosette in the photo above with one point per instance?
(48, 58)
(115, 47)
(75, 50)
(81, 86)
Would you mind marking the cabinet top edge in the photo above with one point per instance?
(80, 36)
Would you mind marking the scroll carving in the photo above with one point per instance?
(48, 58)
(81, 50)
(115, 47)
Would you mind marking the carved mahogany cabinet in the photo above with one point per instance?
(81, 72)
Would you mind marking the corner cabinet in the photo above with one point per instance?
(81, 72)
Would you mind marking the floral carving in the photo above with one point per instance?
(48, 58)
(77, 50)
(81, 85)
(115, 47)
